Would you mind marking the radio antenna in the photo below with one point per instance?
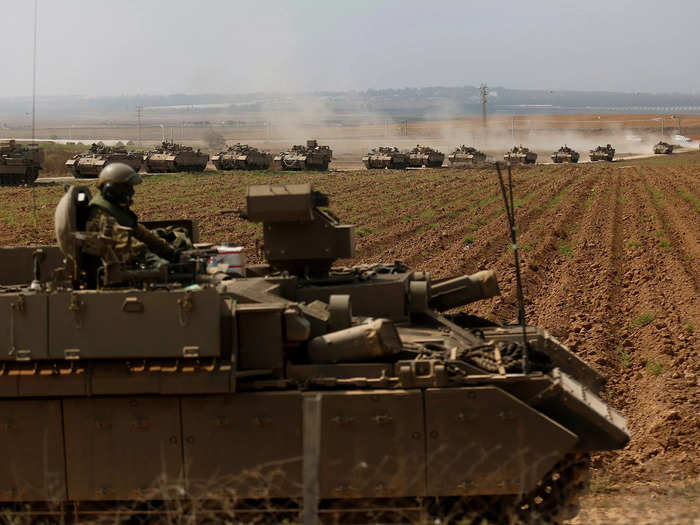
(510, 214)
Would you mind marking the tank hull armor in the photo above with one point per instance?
(565, 154)
(19, 164)
(298, 382)
(242, 157)
(89, 165)
(173, 158)
(385, 158)
(520, 155)
(425, 157)
(311, 157)
(604, 153)
(663, 148)
(466, 157)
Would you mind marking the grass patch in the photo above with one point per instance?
(656, 195)
(428, 214)
(654, 368)
(468, 239)
(643, 319)
(689, 327)
(633, 244)
(363, 231)
(624, 358)
(564, 248)
(692, 199)
(664, 244)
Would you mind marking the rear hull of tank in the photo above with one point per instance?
(596, 157)
(560, 159)
(88, 171)
(298, 165)
(255, 163)
(521, 159)
(462, 161)
(384, 163)
(176, 164)
(432, 160)
(18, 174)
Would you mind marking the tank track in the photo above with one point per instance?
(554, 500)
(19, 179)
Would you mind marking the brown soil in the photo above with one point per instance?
(610, 266)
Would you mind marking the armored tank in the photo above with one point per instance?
(385, 158)
(425, 156)
(565, 154)
(89, 164)
(606, 152)
(309, 157)
(466, 156)
(19, 164)
(299, 388)
(663, 148)
(242, 157)
(170, 157)
(520, 155)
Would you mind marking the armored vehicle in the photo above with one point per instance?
(171, 158)
(520, 155)
(565, 154)
(663, 148)
(466, 156)
(424, 156)
(19, 164)
(89, 164)
(242, 157)
(300, 387)
(385, 157)
(309, 157)
(606, 152)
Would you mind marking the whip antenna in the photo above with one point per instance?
(510, 214)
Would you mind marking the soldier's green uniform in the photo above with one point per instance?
(111, 216)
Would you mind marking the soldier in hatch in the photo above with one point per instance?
(111, 216)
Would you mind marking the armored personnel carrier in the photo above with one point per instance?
(89, 164)
(309, 157)
(19, 164)
(242, 157)
(520, 155)
(465, 157)
(301, 387)
(171, 158)
(663, 148)
(565, 154)
(606, 152)
(424, 156)
(385, 158)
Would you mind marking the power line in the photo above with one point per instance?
(139, 114)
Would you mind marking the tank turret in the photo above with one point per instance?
(170, 157)
(520, 155)
(89, 164)
(309, 157)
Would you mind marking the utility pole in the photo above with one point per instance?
(36, 10)
(139, 115)
(484, 89)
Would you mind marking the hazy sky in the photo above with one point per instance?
(114, 47)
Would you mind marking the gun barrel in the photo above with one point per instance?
(462, 290)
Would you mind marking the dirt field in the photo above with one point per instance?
(611, 266)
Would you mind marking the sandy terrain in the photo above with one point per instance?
(610, 265)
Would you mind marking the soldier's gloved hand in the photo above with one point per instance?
(175, 256)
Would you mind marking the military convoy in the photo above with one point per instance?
(425, 157)
(606, 153)
(565, 154)
(351, 390)
(663, 148)
(309, 157)
(242, 157)
(520, 155)
(170, 157)
(385, 158)
(19, 164)
(466, 157)
(90, 163)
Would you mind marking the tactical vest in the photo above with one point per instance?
(124, 216)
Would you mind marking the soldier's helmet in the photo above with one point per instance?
(118, 173)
